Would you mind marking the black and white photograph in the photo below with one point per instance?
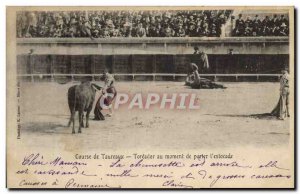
(150, 97)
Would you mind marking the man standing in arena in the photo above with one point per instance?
(196, 50)
(193, 78)
(109, 91)
(282, 109)
(202, 59)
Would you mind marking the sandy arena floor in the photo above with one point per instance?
(223, 120)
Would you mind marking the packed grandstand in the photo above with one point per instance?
(122, 23)
(275, 26)
(181, 23)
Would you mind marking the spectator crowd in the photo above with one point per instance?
(102, 24)
(275, 26)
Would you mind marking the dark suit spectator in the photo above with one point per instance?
(192, 30)
(180, 32)
(283, 31)
(248, 22)
(141, 32)
(256, 24)
(168, 32)
(267, 22)
(213, 32)
(239, 26)
(275, 21)
(283, 20)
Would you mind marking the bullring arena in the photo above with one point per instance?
(249, 68)
(223, 119)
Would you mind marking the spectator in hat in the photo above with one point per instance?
(265, 31)
(248, 22)
(141, 32)
(86, 28)
(180, 31)
(283, 20)
(147, 27)
(275, 21)
(213, 32)
(283, 31)
(199, 29)
(152, 31)
(159, 30)
(256, 25)
(205, 30)
(267, 22)
(168, 32)
(192, 30)
(276, 31)
(248, 30)
(239, 26)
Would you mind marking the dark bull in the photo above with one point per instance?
(81, 98)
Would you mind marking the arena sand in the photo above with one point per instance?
(223, 120)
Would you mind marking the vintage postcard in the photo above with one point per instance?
(150, 97)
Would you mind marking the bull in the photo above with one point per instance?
(81, 98)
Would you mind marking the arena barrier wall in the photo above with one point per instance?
(133, 46)
(223, 67)
(230, 58)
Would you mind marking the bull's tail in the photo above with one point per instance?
(73, 111)
(74, 101)
(72, 104)
(72, 98)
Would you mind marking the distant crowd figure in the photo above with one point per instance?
(103, 24)
(277, 26)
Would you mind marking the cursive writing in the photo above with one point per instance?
(272, 164)
(173, 183)
(141, 164)
(177, 173)
(34, 159)
(73, 184)
(229, 164)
